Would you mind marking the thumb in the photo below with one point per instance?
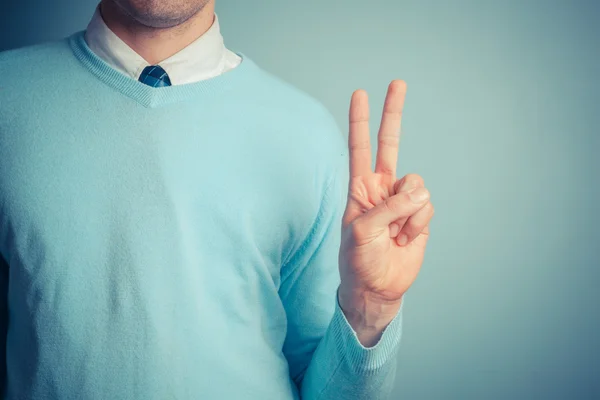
(400, 205)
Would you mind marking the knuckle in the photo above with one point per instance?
(360, 145)
(429, 208)
(415, 180)
(406, 198)
(392, 113)
(410, 181)
(389, 140)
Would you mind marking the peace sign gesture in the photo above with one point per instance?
(386, 222)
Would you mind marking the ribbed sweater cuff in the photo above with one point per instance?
(360, 359)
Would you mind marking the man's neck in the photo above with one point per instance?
(156, 44)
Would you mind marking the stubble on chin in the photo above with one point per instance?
(158, 14)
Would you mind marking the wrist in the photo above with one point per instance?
(367, 313)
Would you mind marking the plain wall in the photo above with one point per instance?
(502, 121)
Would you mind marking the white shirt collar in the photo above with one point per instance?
(204, 58)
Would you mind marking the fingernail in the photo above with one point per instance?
(402, 239)
(419, 195)
(394, 229)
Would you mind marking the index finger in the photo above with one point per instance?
(359, 144)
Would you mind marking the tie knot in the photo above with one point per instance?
(155, 76)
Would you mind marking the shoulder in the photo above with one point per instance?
(32, 57)
(289, 98)
(304, 120)
(32, 70)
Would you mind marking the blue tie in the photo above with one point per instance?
(155, 76)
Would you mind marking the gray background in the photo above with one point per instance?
(501, 120)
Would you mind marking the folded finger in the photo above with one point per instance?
(415, 225)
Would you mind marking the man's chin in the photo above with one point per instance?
(158, 17)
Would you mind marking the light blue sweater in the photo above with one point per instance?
(172, 243)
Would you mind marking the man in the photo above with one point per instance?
(169, 221)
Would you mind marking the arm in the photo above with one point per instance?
(327, 361)
(382, 241)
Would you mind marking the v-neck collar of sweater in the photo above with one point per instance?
(152, 97)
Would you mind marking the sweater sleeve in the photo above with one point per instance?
(326, 359)
(3, 319)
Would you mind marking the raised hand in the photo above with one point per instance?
(385, 226)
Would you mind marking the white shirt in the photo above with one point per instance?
(204, 58)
